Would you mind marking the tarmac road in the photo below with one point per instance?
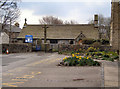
(40, 70)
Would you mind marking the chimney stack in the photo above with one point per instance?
(96, 20)
(17, 24)
(25, 24)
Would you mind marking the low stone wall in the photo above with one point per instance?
(76, 47)
(106, 48)
(16, 48)
(54, 47)
(43, 47)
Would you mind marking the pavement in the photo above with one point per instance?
(41, 70)
(110, 73)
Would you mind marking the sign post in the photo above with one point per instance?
(28, 39)
(45, 36)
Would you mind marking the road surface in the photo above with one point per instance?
(40, 70)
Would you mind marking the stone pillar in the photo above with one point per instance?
(115, 25)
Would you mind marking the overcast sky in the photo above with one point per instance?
(79, 10)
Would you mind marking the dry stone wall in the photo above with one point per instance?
(16, 48)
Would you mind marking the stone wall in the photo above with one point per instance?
(54, 46)
(76, 47)
(115, 25)
(43, 47)
(63, 42)
(16, 48)
(119, 30)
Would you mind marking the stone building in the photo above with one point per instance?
(60, 34)
(4, 38)
(115, 25)
(13, 33)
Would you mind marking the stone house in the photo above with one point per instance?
(4, 38)
(59, 34)
(13, 33)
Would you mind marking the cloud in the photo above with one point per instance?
(60, 9)
(31, 19)
(78, 11)
(66, 0)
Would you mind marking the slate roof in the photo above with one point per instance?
(13, 28)
(60, 31)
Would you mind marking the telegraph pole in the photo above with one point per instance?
(45, 36)
(10, 32)
(1, 27)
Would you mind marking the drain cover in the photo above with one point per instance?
(77, 79)
(4, 65)
(21, 78)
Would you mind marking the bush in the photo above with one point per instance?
(107, 56)
(91, 49)
(96, 44)
(59, 52)
(116, 57)
(99, 54)
(104, 41)
(88, 41)
(98, 40)
(109, 59)
(54, 50)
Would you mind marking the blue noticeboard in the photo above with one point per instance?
(29, 39)
(38, 47)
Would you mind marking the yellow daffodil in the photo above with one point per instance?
(80, 58)
(87, 57)
(77, 57)
(80, 49)
(65, 57)
(73, 55)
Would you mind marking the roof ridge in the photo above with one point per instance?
(60, 24)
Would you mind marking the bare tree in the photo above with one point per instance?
(104, 25)
(50, 20)
(70, 22)
(104, 20)
(2, 3)
(91, 21)
(55, 20)
(101, 20)
(9, 12)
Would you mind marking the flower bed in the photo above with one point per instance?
(110, 56)
(84, 57)
(76, 60)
